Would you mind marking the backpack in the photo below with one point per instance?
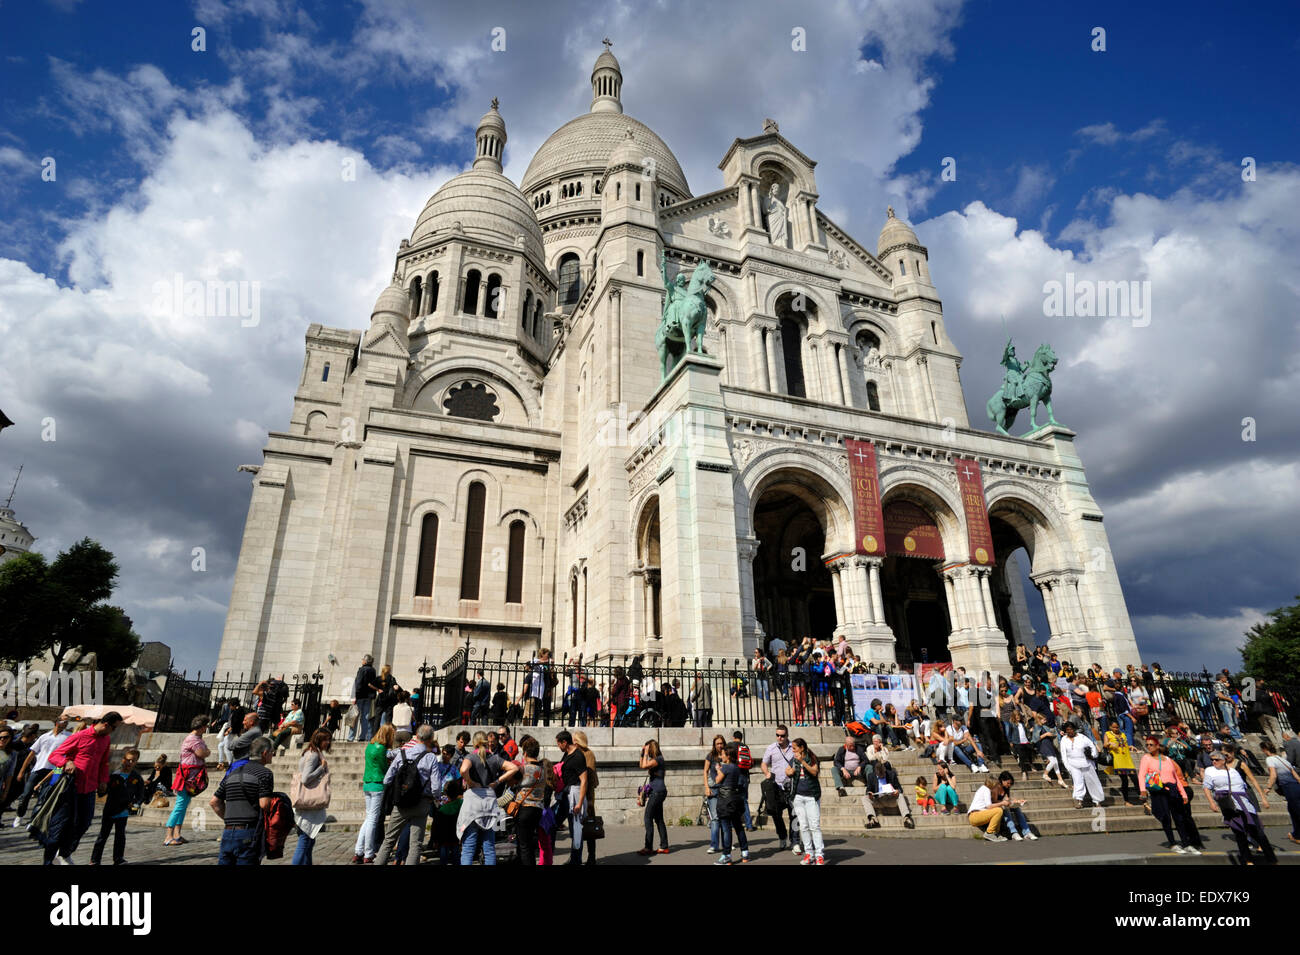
(858, 728)
(406, 787)
(277, 820)
(744, 760)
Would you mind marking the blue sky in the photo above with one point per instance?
(1123, 164)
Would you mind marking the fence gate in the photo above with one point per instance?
(453, 686)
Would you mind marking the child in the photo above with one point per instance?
(125, 793)
(499, 703)
(944, 793)
(444, 823)
(924, 799)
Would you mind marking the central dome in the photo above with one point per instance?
(585, 144)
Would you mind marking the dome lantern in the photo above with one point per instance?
(606, 82)
(490, 139)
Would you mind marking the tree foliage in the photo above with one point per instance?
(1272, 649)
(60, 608)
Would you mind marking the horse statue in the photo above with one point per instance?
(681, 329)
(1023, 386)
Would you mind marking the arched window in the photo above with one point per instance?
(537, 319)
(471, 564)
(494, 296)
(792, 353)
(902, 269)
(638, 192)
(433, 291)
(469, 302)
(428, 556)
(515, 564)
(528, 310)
(573, 604)
(584, 605)
(325, 372)
(415, 291)
(640, 263)
(873, 396)
(618, 190)
(570, 279)
(596, 188)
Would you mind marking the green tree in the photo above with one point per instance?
(1272, 649)
(59, 608)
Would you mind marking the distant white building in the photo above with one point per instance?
(484, 461)
(15, 539)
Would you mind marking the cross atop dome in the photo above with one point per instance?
(495, 102)
(608, 43)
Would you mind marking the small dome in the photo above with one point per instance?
(392, 301)
(606, 60)
(486, 205)
(492, 119)
(895, 233)
(627, 151)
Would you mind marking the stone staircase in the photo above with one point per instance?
(1049, 808)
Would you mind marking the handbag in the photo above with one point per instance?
(308, 798)
(593, 826)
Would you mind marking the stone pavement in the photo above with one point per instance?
(144, 847)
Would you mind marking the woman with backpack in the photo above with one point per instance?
(381, 748)
(311, 795)
(807, 801)
(731, 805)
(191, 779)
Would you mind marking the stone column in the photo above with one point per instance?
(754, 205)
(843, 361)
(833, 373)
(862, 581)
(839, 596)
(615, 346)
(751, 631)
(1048, 585)
(877, 598)
(774, 380)
(812, 221)
(761, 359)
(990, 613)
(426, 296)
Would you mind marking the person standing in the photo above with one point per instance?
(711, 791)
(364, 689)
(1079, 753)
(378, 753)
(1285, 778)
(482, 771)
(1226, 788)
(531, 796)
(729, 804)
(242, 796)
(573, 775)
(1163, 791)
(1122, 761)
(807, 802)
(84, 756)
(313, 774)
(652, 761)
(700, 701)
(36, 765)
(481, 700)
(778, 757)
(191, 779)
(420, 752)
(125, 792)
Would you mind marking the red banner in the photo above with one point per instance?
(868, 520)
(978, 533)
(911, 532)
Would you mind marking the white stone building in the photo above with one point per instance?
(15, 538)
(495, 458)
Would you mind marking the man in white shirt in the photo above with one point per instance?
(1078, 753)
(779, 757)
(37, 764)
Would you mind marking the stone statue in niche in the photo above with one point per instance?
(778, 221)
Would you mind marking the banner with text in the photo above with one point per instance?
(911, 532)
(868, 519)
(979, 535)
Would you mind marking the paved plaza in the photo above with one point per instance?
(144, 847)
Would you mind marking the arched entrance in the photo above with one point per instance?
(1022, 546)
(793, 592)
(648, 566)
(912, 590)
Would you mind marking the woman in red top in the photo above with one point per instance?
(84, 757)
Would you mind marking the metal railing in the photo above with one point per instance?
(184, 698)
(477, 689)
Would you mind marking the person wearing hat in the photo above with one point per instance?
(84, 757)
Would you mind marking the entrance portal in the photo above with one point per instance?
(793, 594)
(916, 609)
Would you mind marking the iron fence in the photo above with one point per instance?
(478, 688)
(184, 698)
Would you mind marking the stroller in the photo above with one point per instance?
(639, 711)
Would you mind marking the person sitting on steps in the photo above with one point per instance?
(884, 789)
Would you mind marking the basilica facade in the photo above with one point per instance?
(499, 456)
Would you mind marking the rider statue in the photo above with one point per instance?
(1014, 380)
